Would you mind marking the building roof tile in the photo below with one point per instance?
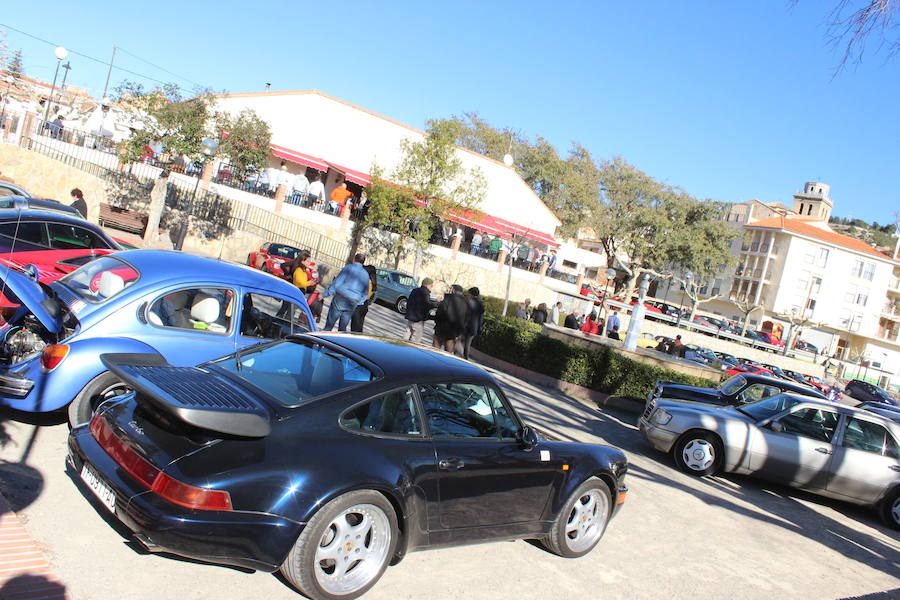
(829, 237)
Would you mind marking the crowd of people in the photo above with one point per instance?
(594, 324)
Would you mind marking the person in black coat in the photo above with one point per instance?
(571, 321)
(539, 315)
(359, 315)
(476, 320)
(417, 307)
(451, 320)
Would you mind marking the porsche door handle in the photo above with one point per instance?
(451, 464)
(823, 450)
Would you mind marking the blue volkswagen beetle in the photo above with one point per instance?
(188, 309)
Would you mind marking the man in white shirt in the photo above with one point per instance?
(300, 184)
(274, 179)
(554, 314)
(476, 243)
(315, 191)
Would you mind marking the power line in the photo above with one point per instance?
(99, 61)
(121, 49)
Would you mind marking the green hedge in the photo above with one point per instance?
(602, 368)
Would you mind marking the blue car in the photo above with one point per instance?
(188, 309)
(394, 288)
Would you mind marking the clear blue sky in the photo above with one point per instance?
(728, 100)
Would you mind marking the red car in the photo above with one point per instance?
(752, 369)
(272, 257)
(50, 264)
(767, 337)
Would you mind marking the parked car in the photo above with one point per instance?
(796, 376)
(705, 357)
(806, 346)
(8, 188)
(394, 288)
(777, 371)
(647, 340)
(272, 257)
(29, 203)
(817, 383)
(31, 230)
(329, 457)
(768, 338)
(728, 358)
(828, 449)
(863, 390)
(891, 411)
(186, 308)
(736, 390)
(748, 368)
(752, 335)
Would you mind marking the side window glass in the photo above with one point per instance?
(505, 423)
(393, 413)
(869, 437)
(458, 410)
(271, 318)
(69, 237)
(812, 423)
(198, 309)
(759, 391)
(30, 232)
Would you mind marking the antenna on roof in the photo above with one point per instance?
(268, 85)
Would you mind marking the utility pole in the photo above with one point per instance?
(109, 72)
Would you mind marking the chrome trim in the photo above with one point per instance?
(15, 385)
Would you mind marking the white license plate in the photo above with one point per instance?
(100, 489)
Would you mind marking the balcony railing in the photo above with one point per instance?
(894, 285)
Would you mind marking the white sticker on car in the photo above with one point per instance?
(545, 455)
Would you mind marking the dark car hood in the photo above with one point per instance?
(21, 288)
(680, 391)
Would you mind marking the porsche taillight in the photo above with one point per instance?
(163, 485)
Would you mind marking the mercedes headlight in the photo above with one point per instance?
(660, 416)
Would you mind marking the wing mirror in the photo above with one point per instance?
(776, 426)
(528, 437)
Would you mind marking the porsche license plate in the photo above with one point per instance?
(100, 489)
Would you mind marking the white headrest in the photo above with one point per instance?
(205, 308)
(110, 284)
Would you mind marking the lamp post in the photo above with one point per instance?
(610, 276)
(688, 277)
(61, 54)
(209, 147)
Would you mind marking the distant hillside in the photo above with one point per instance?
(871, 233)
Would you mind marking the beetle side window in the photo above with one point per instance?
(199, 309)
(813, 423)
(393, 413)
(271, 318)
(458, 410)
(870, 437)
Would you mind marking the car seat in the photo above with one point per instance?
(169, 311)
(204, 313)
(110, 285)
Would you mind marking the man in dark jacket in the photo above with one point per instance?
(476, 319)
(571, 321)
(417, 306)
(451, 320)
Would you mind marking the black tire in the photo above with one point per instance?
(562, 540)
(250, 260)
(698, 453)
(102, 387)
(400, 305)
(889, 509)
(305, 571)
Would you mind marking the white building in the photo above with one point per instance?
(311, 129)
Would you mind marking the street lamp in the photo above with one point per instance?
(688, 277)
(208, 149)
(61, 54)
(610, 276)
(637, 314)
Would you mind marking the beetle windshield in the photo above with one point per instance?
(731, 386)
(292, 371)
(101, 279)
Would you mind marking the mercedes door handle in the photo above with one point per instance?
(451, 464)
(823, 450)
(895, 467)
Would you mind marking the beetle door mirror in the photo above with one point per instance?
(528, 437)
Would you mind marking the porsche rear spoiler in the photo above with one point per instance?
(192, 394)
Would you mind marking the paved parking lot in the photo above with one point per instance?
(676, 537)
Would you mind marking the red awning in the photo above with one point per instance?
(352, 176)
(299, 158)
(534, 234)
(476, 220)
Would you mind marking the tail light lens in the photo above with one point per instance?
(161, 484)
(53, 354)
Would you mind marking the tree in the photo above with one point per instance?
(429, 183)
(245, 140)
(851, 24)
(744, 303)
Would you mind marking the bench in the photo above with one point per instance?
(122, 218)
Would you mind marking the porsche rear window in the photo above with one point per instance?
(101, 279)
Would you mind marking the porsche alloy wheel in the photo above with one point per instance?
(345, 547)
(582, 522)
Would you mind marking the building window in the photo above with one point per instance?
(816, 285)
(862, 296)
(863, 270)
(822, 257)
(855, 322)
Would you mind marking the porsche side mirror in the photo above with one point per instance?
(528, 437)
(776, 426)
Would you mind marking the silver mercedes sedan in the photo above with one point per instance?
(829, 449)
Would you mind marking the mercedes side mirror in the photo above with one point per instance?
(528, 437)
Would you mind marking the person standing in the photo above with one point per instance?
(523, 311)
(590, 325)
(451, 320)
(350, 289)
(551, 263)
(494, 247)
(475, 248)
(338, 198)
(78, 202)
(315, 191)
(476, 320)
(539, 315)
(299, 185)
(417, 307)
(612, 325)
(571, 321)
(554, 314)
(359, 315)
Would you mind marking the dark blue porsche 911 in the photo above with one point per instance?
(330, 456)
